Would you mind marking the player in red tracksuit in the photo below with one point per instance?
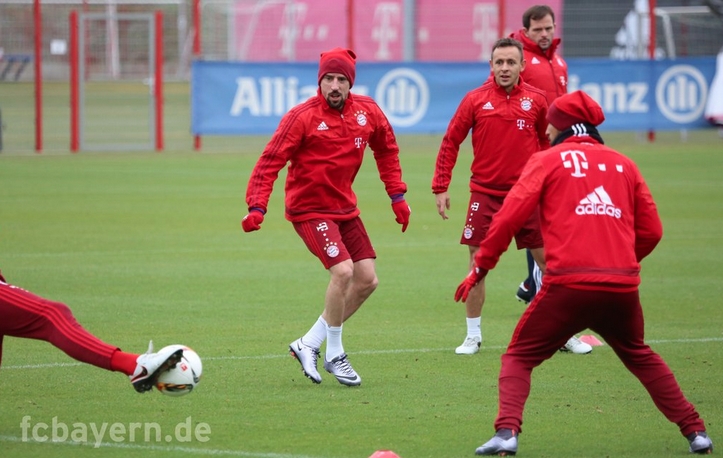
(24, 314)
(545, 70)
(324, 140)
(598, 221)
(507, 120)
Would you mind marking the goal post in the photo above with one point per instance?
(128, 82)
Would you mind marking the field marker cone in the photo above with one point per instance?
(384, 454)
(591, 340)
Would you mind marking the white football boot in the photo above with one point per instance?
(700, 443)
(470, 346)
(307, 357)
(150, 365)
(576, 346)
(498, 445)
(340, 368)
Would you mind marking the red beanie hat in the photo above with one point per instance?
(574, 108)
(338, 60)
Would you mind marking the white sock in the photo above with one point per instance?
(474, 327)
(316, 335)
(334, 347)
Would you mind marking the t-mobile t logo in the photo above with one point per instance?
(386, 28)
(575, 160)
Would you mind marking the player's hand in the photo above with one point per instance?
(252, 221)
(471, 280)
(442, 204)
(402, 211)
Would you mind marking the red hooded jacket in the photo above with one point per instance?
(543, 69)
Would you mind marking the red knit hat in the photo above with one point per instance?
(573, 108)
(338, 60)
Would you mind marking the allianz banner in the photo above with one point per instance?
(232, 98)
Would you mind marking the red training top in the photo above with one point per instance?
(543, 69)
(597, 215)
(324, 149)
(506, 130)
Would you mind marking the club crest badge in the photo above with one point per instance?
(361, 118)
(332, 250)
(526, 103)
(468, 232)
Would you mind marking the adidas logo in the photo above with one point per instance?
(535, 60)
(488, 106)
(598, 202)
(322, 126)
(579, 130)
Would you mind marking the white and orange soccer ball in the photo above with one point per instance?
(184, 376)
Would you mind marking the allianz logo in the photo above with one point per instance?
(680, 94)
(402, 93)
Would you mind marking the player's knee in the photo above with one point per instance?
(370, 284)
(63, 310)
(342, 272)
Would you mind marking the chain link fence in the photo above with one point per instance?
(108, 43)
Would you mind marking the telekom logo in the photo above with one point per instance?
(575, 160)
(485, 33)
(386, 28)
(294, 15)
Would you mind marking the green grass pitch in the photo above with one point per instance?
(146, 245)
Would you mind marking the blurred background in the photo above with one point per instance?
(118, 45)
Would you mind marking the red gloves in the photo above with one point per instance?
(401, 211)
(473, 277)
(252, 221)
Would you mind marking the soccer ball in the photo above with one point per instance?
(182, 378)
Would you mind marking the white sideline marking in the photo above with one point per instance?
(242, 453)
(191, 450)
(362, 352)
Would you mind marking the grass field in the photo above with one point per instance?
(145, 246)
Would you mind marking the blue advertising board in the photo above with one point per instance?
(231, 98)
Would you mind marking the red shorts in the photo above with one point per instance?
(482, 207)
(336, 241)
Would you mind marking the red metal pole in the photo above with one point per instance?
(350, 24)
(197, 51)
(158, 89)
(651, 47)
(74, 81)
(501, 18)
(38, 19)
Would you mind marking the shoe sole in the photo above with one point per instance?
(170, 362)
(565, 350)
(703, 451)
(499, 453)
(344, 381)
(464, 353)
(296, 357)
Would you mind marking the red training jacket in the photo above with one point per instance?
(543, 69)
(324, 149)
(506, 131)
(597, 215)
